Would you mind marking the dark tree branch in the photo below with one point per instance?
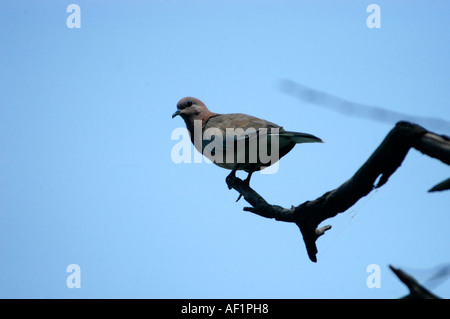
(416, 291)
(444, 185)
(380, 165)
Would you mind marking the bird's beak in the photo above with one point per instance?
(176, 113)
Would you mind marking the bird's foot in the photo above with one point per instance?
(247, 183)
(230, 180)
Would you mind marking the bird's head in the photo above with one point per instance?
(190, 108)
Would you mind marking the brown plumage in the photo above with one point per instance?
(237, 130)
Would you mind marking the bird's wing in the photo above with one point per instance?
(237, 120)
(233, 128)
(237, 127)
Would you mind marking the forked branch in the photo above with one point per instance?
(380, 166)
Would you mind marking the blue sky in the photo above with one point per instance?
(86, 175)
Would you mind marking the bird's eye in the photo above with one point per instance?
(189, 103)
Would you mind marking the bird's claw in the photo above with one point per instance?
(230, 180)
(247, 183)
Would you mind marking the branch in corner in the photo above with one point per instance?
(416, 290)
(380, 166)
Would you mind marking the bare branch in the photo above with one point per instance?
(444, 185)
(416, 291)
(380, 165)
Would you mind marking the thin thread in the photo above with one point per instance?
(352, 215)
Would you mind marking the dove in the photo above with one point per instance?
(234, 141)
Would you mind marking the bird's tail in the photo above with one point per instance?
(301, 137)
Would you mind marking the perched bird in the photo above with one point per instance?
(236, 136)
